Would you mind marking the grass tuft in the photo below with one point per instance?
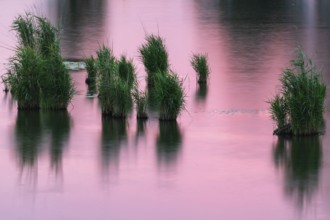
(200, 65)
(24, 78)
(154, 57)
(47, 39)
(91, 70)
(126, 70)
(298, 110)
(56, 84)
(108, 70)
(37, 76)
(170, 94)
(25, 27)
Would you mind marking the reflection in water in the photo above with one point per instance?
(114, 134)
(81, 22)
(140, 130)
(28, 133)
(169, 142)
(300, 159)
(33, 132)
(201, 93)
(58, 124)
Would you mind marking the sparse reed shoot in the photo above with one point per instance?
(91, 70)
(200, 65)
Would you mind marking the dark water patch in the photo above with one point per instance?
(201, 93)
(300, 160)
(114, 136)
(169, 142)
(58, 126)
(28, 136)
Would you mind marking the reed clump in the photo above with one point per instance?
(154, 57)
(107, 68)
(126, 71)
(298, 109)
(120, 98)
(37, 68)
(200, 65)
(114, 85)
(170, 94)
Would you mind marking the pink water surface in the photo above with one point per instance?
(219, 161)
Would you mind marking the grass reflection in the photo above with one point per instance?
(300, 160)
(58, 125)
(28, 133)
(34, 131)
(201, 93)
(140, 130)
(114, 134)
(169, 143)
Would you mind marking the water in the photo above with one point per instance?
(219, 161)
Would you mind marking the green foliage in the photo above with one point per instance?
(170, 95)
(106, 62)
(115, 97)
(37, 76)
(126, 70)
(108, 70)
(200, 65)
(116, 79)
(154, 57)
(91, 70)
(300, 106)
(56, 85)
(25, 28)
(279, 111)
(47, 38)
(120, 98)
(24, 78)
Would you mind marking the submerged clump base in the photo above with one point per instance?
(298, 109)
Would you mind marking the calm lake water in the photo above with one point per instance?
(219, 161)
